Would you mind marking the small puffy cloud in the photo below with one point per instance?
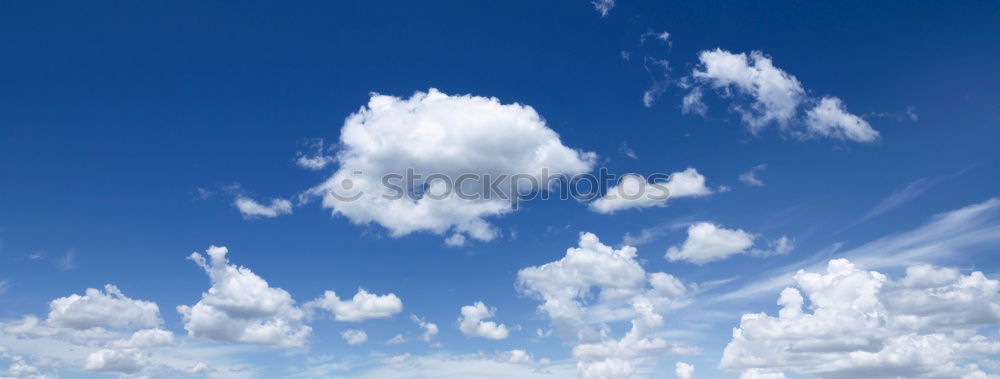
(250, 208)
(127, 361)
(362, 306)
(603, 6)
(707, 242)
(515, 356)
(451, 135)
(595, 284)
(607, 369)
(830, 119)
(354, 336)
(863, 324)
(430, 329)
(564, 283)
(455, 240)
(473, 322)
(633, 191)
(107, 309)
(683, 370)
(96, 318)
(775, 93)
(750, 176)
(775, 97)
(315, 163)
(317, 158)
(687, 183)
(241, 307)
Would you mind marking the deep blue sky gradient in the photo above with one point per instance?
(113, 114)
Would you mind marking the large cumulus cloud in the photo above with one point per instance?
(595, 284)
(860, 323)
(435, 133)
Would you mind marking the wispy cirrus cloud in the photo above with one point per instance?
(945, 235)
(750, 176)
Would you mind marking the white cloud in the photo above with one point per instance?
(900, 197)
(687, 183)
(781, 246)
(362, 306)
(455, 240)
(775, 98)
(250, 208)
(707, 242)
(863, 324)
(430, 329)
(102, 331)
(241, 307)
(57, 353)
(435, 133)
(775, 93)
(396, 340)
(756, 373)
(395, 358)
(317, 158)
(652, 233)
(515, 356)
(594, 284)
(661, 36)
(633, 191)
(19, 367)
(949, 235)
(354, 336)
(603, 6)
(146, 338)
(473, 322)
(612, 358)
(830, 119)
(315, 163)
(199, 368)
(659, 73)
(94, 318)
(683, 370)
(750, 176)
(692, 102)
(624, 149)
(108, 309)
(502, 365)
(124, 361)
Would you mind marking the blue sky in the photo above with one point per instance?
(129, 131)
